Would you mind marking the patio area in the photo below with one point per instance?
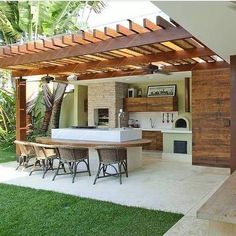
(165, 184)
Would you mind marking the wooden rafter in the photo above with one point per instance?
(121, 62)
(129, 72)
(169, 34)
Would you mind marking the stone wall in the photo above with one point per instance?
(107, 95)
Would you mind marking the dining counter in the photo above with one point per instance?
(134, 149)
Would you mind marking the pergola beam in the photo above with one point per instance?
(189, 67)
(82, 67)
(162, 35)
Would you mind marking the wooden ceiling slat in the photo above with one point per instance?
(207, 59)
(150, 25)
(194, 43)
(151, 48)
(164, 56)
(131, 52)
(76, 38)
(141, 50)
(123, 30)
(105, 56)
(15, 49)
(40, 46)
(164, 24)
(31, 47)
(100, 35)
(47, 43)
(111, 32)
(7, 51)
(189, 60)
(114, 55)
(172, 46)
(95, 57)
(86, 59)
(122, 53)
(23, 49)
(162, 47)
(58, 41)
(67, 39)
(89, 37)
(183, 44)
(137, 28)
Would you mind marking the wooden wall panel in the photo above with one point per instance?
(20, 109)
(233, 113)
(210, 117)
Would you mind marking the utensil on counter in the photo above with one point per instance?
(167, 117)
(163, 117)
(172, 117)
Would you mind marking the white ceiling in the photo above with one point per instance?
(153, 78)
(213, 23)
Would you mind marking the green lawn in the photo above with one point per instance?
(8, 154)
(25, 211)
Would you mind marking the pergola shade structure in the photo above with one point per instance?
(111, 52)
(108, 53)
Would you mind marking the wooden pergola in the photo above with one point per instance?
(112, 52)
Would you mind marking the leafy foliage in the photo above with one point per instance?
(29, 20)
(7, 117)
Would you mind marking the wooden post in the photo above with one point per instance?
(187, 94)
(233, 114)
(20, 109)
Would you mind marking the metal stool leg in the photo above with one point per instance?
(120, 175)
(98, 173)
(58, 168)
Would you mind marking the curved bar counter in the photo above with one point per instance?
(134, 147)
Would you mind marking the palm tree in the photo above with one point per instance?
(30, 20)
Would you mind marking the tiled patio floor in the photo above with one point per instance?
(162, 184)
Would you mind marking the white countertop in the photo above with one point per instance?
(176, 131)
(99, 134)
(151, 129)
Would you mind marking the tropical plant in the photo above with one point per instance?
(29, 20)
(7, 117)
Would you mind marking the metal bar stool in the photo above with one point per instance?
(26, 153)
(45, 155)
(110, 156)
(72, 156)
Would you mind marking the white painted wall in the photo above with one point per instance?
(212, 22)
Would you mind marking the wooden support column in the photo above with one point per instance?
(233, 114)
(20, 109)
(187, 94)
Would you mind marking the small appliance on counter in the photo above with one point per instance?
(133, 123)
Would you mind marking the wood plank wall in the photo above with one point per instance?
(211, 117)
(21, 109)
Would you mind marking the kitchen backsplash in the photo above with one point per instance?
(155, 120)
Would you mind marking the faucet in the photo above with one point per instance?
(121, 116)
(152, 123)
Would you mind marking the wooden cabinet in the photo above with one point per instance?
(157, 140)
(158, 104)
(165, 104)
(135, 104)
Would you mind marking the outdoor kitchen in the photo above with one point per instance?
(159, 107)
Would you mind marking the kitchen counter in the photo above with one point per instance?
(151, 129)
(98, 134)
(177, 131)
(92, 138)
